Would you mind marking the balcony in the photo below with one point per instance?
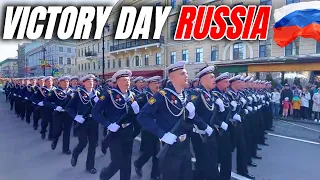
(135, 44)
(90, 55)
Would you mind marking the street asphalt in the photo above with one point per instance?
(292, 154)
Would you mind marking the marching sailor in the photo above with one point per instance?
(170, 116)
(79, 108)
(119, 105)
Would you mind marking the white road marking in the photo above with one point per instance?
(294, 124)
(234, 175)
(295, 139)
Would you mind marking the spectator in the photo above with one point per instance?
(316, 106)
(275, 102)
(286, 105)
(296, 103)
(313, 90)
(305, 98)
(286, 92)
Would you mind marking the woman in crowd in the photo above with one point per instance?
(275, 102)
(305, 98)
(316, 106)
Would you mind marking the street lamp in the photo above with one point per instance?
(103, 63)
(44, 60)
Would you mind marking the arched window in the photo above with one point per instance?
(238, 49)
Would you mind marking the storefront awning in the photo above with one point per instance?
(232, 69)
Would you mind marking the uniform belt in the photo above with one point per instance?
(182, 137)
(125, 125)
(60, 110)
(198, 131)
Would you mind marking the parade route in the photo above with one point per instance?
(24, 155)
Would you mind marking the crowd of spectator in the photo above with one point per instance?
(298, 102)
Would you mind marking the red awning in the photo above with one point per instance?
(148, 73)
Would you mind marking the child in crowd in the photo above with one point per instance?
(286, 106)
(296, 103)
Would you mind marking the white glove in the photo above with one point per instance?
(237, 117)
(246, 111)
(135, 107)
(79, 119)
(220, 104)
(224, 126)
(19, 96)
(33, 102)
(192, 110)
(263, 102)
(169, 138)
(250, 99)
(254, 97)
(267, 103)
(234, 105)
(249, 108)
(259, 107)
(14, 94)
(26, 98)
(58, 108)
(40, 103)
(255, 108)
(114, 127)
(243, 101)
(209, 130)
(96, 99)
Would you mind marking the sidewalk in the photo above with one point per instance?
(290, 119)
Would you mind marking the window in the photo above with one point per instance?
(60, 60)
(88, 48)
(185, 55)
(199, 54)
(137, 61)
(173, 57)
(265, 2)
(173, 4)
(69, 50)
(81, 51)
(68, 60)
(93, 47)
(318, 47)
(94, 65)
(158, 58)
(214, 53)
(185, 2)
(292, 48)
(119, 63)
(98, 47)
(238, 51)
(85, 66)
(128, 62)
(265, 48)
(85, 50)
(69, 70)
(60, 49)
(292, 1)
(146, 60)
(108, 63)
(114, 64)
(79, 66)
(82, 67)
(89, 66)
(108, 45)
(173, 26)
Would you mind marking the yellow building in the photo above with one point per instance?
(151, 57)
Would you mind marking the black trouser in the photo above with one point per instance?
(261, 126)
(17, 105)
(242, 156)
(225, 156)
(206, 166)
(62, 122)
(46, 116)
(255, 132)
(23, 107)
(87, 132)
(37, 115)
(150, 147)
(29, 110)
(304, 112)
(120, 145)
(248, 131)
(11, 99)
(136, 128)
(176, 164)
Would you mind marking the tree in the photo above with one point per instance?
(269, 78)
(285, 81)
(297, 82)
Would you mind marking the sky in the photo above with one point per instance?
(8, 48)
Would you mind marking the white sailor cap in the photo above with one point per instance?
(235, 78)
(248, 78)
(122, 73)
(87, 77)
(40, 77)
(222, 77)
(251, 79)
(109, 80)
(176, 66)
(195, 79)
(74, 78)
(154, 79)
(268, 82)
(64, 78)
(47, 78)
(205, 71)
(256, 81)
(139, 78)
(113, 80)
(242, 78)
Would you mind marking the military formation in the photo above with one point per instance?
(180, 122)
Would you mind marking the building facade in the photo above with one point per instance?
(21, 60)
(52, 57)
(149, 57)
(9, 68)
